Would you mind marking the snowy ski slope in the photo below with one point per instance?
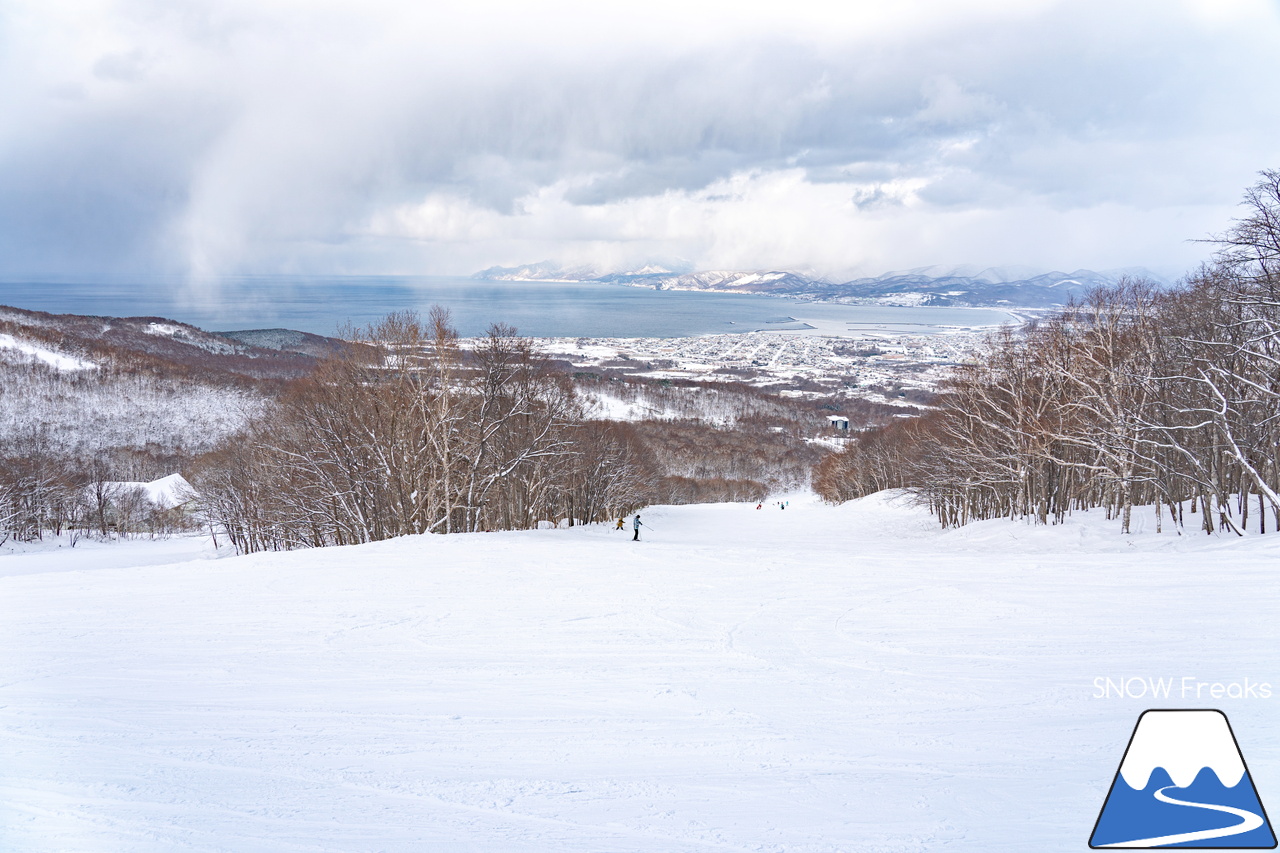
(810, 679)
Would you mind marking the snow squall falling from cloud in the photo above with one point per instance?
(214, 138)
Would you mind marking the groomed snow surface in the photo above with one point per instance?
(810, 679)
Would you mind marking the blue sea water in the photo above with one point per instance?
(546, 309)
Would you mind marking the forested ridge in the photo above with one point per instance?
(1134, 395)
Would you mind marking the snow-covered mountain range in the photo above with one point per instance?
(934, 285)
(552, 271)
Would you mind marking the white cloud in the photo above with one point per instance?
(385, 136)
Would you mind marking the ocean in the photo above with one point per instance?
(323, 305)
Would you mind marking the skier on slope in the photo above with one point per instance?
(637, 525)
(622, 522)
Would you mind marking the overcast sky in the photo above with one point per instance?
(213, 137)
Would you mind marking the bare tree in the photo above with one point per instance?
(412, 432)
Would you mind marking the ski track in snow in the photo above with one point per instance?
(808, 680)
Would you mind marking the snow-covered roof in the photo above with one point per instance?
(166, 493)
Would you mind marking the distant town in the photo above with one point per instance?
(890, 366)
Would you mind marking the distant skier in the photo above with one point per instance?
(637, 525)
(622, 523)
(759, 505)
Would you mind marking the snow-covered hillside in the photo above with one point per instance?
(805, 679)
(84, 386)
(12, 348)
(88, 412)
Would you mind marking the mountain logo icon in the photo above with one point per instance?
(1183, 783)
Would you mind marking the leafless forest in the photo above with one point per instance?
(148, 397)
(404, 429)
(411, 433)
(415, 432)
(1133, 396)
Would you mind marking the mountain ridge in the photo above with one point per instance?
(960, 286)
(158, 344)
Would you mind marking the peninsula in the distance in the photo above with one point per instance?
(961, 286)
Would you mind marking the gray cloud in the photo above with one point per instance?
(260, 137)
